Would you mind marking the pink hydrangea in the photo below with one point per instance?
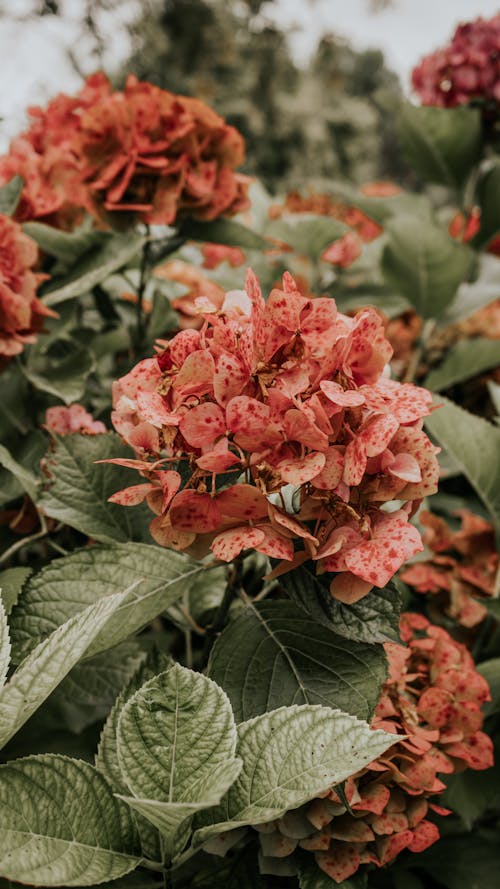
(277, 398)
(66, 420)
(466, 70)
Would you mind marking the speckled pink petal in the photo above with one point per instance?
(144, 437)
(340, 862)
(354, 462)
(203, 424)
(163, 533)
(405, 466)
(377, 434)
(196, 375)
(191, 511)
(170, 482)
(244, 502)
(132, 496)
(275, 545)
(343, 397)
(283, 520)
(298, 472)
(347, 588)
(182, 344)
(338, 540)
(230, 544)
(331, 474)
(394, 541)
(424, 835)
(152, 409)
(219, 459)
(230, 377)
(302, 428)
(246, 415)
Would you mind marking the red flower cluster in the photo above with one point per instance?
(463, 566)
(289, 399)
(67, 420)
(467, 69)
(21, 313)
(143, 151)
(433, 696)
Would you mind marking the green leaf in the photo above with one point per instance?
(443, 144)
(78, 489)
(25, 477)
(481, 292)
(51, 660)
(375, 618)
(155, 578)
(491, 672)
(312, 877)
(11, 584)
(176, 748)
(9, 196)
(464, 360)
(223, 231)
(289, 757)
(488, 198)
(272, 655)
(308, 234)
(61, 825)
(475, 446)
(107, 754)
(464, 861)
(89, 691)
(423, 263)
(95, 266)
(4, 646)
(68, 247)
(64, 377)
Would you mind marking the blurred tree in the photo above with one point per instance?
(325, 118)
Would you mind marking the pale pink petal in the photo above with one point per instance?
(377, 434)
(348, 588)
(144, 437)
(242, 502)
(331, 474)
(191, 511)
(230, 544)
(132, 496)
(405, 466)
(302, 428)
(275, 545)
(284, 520)
(153, 409)
(162, 532)
(246, 415)
(355, 462)
(230, 378)
(298, 472)
(340, 396)
(196, 375)
(219, 458)
(201, 425)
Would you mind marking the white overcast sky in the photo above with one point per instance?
(35, 63)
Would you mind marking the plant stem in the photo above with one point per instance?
(420, 350)
(143, 280)
(233, 585)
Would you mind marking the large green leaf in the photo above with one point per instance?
(4, 645)
(107, 755)
(9, 195)
(475, 446)
(155, 578)
(223, 231)
(61, 825)
(272, 655)
(307, 234)
(471, 297)
(375, 618)
(89, 691)
(47, 665)
(443, 144)
(464, 360)
(290, 756)
(176, 748)
(488, 198)
(25, 477)
(78, 490)
(94, 266)
(63, 373)
(423, 263)
(67, 247)
(11, 584)
(463, 861)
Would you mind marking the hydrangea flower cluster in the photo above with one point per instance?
(462, 569)
(67, 420)
(466, 70)
(21, 313)
(275, 427)
(433, 696)
(143, 151)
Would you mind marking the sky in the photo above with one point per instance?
(35, 61)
